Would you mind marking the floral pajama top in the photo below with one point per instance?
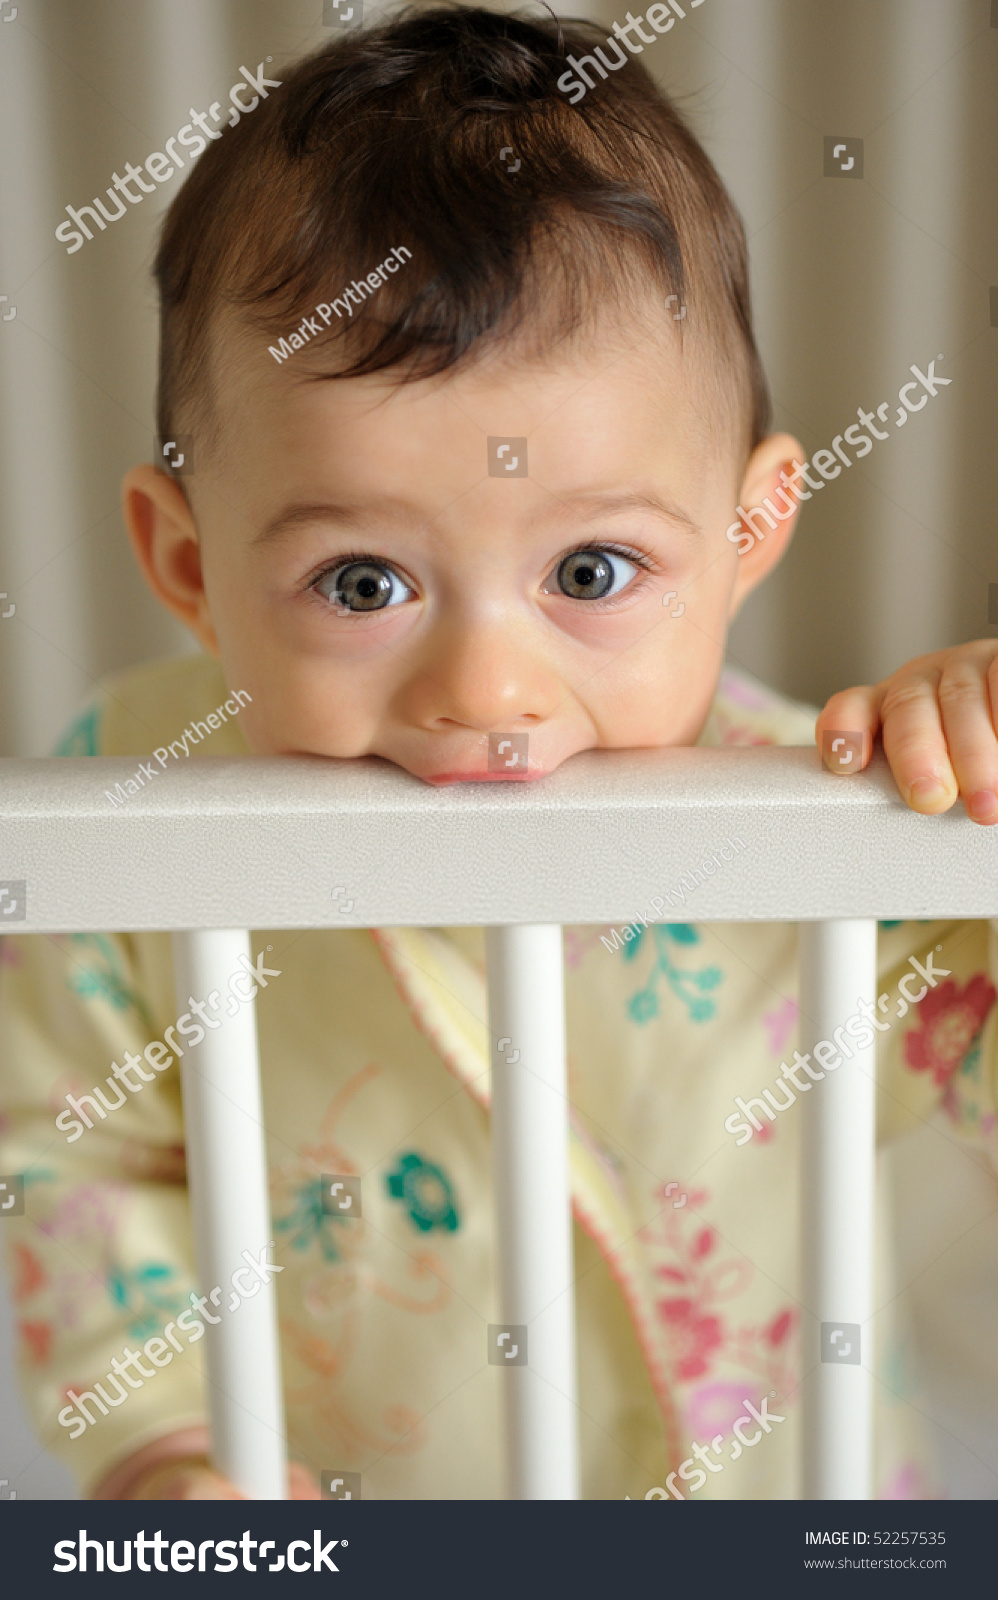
(375, 1066)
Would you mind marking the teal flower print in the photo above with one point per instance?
(972, 1060)
(691, 987)
(306, 1221)
(106, 977)
(149, 1293)
(643, 1005)
(80, 738)
(425, 1191)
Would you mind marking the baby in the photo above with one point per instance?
(467, 379)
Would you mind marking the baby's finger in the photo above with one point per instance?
(846, 729)
(915, 744)
(201, 1483)
(301, 1483)
(205, 1484)
(970, 733)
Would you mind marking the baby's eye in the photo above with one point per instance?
(363, 586)
(593, 574)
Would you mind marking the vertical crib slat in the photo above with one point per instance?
(533, 1209)
(230, 1211)
(838, 966)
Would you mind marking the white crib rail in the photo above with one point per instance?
(838, 963)
(225, 843)
(533, 1219)
(230, 1213)
(304, 844)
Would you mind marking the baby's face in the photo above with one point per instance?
(382, 580)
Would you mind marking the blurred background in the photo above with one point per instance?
(855, 279)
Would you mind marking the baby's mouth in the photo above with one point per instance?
(439, 779)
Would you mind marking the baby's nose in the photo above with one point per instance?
(485, 676)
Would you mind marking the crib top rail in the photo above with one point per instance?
(734, 835)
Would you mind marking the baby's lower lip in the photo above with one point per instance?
(482, 777)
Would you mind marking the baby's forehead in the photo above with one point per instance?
(633, 357)
(609, 432)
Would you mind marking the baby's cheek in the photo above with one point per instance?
(255, 727)
(272, 722)
(660, 694)
(325, 710)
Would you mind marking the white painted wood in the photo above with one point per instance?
(532, 1208)
(227, 1177)
(838, 967)
(259, 843)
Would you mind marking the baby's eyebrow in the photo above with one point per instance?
(298, 516)
(591, 505)
(595, 505)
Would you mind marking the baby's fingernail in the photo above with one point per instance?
(929, 790)
(843, 752)
(983, 806)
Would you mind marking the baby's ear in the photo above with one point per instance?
(166, 545)
(766, 513)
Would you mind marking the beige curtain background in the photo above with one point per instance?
(854, 281)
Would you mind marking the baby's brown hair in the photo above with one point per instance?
(407, 135)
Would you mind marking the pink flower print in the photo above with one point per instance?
(764, 1134)
(743, 693)
(715, 1409)
(703, 1244)
(779, 1328)
(692, 1337)
(779, 1024)
(87, 1212)
(74, 1293)
(743, 737)
(910, 1483)
(29, 1273)
(579, 940)
(37, 1337)
(948, 1020)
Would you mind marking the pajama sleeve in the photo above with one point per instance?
(100, 1258)
(937, 991)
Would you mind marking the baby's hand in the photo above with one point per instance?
(198, 1480)
(939, 718)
